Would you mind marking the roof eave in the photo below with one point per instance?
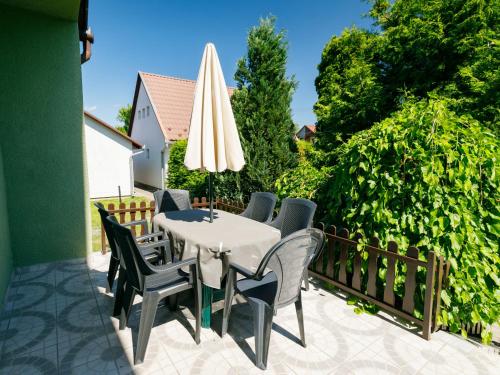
(134, 143)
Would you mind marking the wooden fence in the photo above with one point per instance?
(142, 211)
(230, 206)
(356, 271)
(348, 268)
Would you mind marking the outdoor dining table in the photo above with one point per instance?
(230, 238)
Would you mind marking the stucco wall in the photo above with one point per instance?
(108, 161)
(5, 252)
(41, 135)
(146, 130)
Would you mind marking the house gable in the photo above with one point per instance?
(171, 102)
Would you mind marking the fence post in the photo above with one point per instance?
(103, 240)
(437, 299)
(121, 214)
(429, 291)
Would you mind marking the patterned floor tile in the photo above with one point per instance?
(57, 320)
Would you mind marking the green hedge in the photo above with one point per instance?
(179, 177)
(426, 177)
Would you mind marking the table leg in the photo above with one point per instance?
(206, 306)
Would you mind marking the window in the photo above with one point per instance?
(147, 111)
(143, 113)
(139, 113)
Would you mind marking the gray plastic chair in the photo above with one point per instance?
(153, 246)
(171, 200)
(261, 207)
(267, 292)
(295, 214)
(153, 283)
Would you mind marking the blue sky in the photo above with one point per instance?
(168, 37)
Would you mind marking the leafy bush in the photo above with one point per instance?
(426, 177)
(304, 180)
(179, 177)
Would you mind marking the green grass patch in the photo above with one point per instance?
(96, 219)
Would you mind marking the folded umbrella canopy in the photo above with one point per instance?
(213, 143)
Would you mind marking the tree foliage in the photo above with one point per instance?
(261, 105)
(124, 116)
(350, 93)
(179, 177)
(450, 48)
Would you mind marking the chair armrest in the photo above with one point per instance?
(135, 222)
(149, 236)
(242, 270)
(165, 275)
(175, 266)
(153, 245)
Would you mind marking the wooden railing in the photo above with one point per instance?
(139, 211)
(356, 271)
(230, 206)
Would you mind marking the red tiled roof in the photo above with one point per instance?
(113, 129)
(172, 100)
(312, 128)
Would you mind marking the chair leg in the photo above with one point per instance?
(149, 306)
(197, 307)
(306, 279)
(300, 318)
(173, 302)
(263, 321)
(128, 301)
(228, 300)
(119, 293)
(113, 267)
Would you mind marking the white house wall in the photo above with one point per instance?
(108, 161)
(148, 168)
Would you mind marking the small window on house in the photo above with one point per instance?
(143, 113)
(139, 114)
(147, 111)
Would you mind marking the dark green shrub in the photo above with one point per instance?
(179, 177)
(261, 106)
(307, 178)
(427, 177)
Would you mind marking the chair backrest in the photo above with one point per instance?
(136, 265)
(261, 207)
(108, 229)
(295, 214)
(288, 259)
(171, 200)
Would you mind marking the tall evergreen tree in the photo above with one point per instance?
(261, 105)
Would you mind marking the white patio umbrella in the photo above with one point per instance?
(213, 143)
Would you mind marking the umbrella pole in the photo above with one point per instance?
(210, 195)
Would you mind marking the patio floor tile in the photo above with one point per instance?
(57, 320)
